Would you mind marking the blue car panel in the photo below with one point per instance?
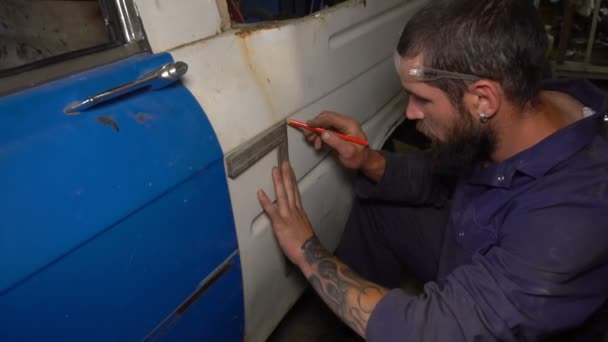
(112, 217)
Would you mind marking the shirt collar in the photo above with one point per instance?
(561, 145)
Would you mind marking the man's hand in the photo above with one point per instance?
(289, 221)
(352, 156)
(351, 297)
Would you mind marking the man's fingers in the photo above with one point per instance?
(269, 208)
(334, 121)
(344, 148)
(308, 134)
(279, 190)
(318, 143)
(314, 139)
(298, 201)
(288, 181)
(291, 184)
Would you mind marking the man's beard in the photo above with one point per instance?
(467, 143)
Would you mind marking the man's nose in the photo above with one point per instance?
(412, 112)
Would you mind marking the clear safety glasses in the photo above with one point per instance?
(426, 74)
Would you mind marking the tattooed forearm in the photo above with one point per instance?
(351, 297)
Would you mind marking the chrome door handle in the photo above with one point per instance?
(160, 78)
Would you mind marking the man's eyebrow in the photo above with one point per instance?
(409, 91)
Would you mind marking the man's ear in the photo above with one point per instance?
(485, 97)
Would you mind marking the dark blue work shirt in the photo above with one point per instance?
(526, 254)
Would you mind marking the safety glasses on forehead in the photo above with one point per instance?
(425, 74)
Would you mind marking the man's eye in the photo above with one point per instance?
(419, 99)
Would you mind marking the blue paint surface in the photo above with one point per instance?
(110, 218)
(222, 297)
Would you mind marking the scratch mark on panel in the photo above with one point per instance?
(132, 256)
(107, 121)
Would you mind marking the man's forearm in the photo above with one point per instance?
(351, 297)
(374, 166)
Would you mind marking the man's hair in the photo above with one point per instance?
(500, 40)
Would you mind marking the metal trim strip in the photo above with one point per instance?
(166, 324)
(242, 158)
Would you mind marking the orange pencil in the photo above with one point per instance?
(319, 130)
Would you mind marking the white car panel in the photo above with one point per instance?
(255, 76)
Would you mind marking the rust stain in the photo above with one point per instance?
(250, 29)
(261, 80)
(107, 121)
(142, 118)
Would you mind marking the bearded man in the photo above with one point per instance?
(517, 249)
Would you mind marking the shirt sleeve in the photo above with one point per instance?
(408, 178)
(548, 273)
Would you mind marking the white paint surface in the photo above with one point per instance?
(340, 59)
(171, 23)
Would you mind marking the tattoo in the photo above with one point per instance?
(314, 250)
(351, 297)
